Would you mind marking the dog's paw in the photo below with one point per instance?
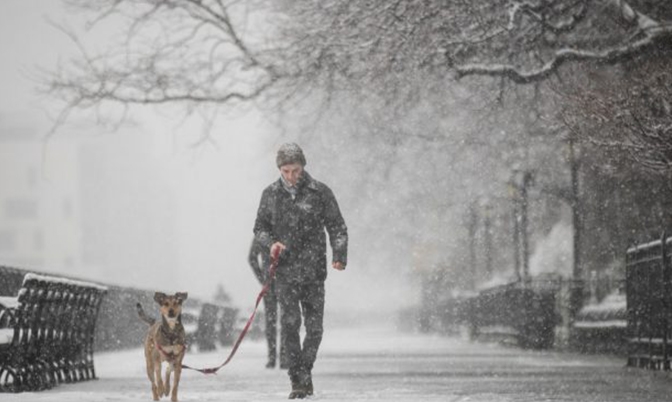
(155, 393)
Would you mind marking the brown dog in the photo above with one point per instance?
(165, 342)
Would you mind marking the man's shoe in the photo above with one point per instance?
(297, 394)
(298, 391)
(270, 364)
(309, 386)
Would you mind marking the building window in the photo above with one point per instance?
(21, 208)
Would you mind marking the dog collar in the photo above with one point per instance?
(169, 356)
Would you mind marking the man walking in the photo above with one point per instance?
(293, 214)
(259, 261)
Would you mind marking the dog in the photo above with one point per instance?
(165, 342)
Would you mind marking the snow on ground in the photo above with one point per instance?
(379, 364)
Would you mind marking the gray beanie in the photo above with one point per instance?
(290, 153)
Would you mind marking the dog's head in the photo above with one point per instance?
(170, 306)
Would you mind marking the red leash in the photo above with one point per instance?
(264, 290)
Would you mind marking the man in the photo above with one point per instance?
(259, 262)
(293, 214)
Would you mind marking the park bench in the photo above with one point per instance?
(601, 327)
(524, 311)
(47, 333)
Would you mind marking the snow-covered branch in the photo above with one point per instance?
(648, 33)
(563, 56)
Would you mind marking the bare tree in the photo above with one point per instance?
(157, 52)
(220, 52)
(525, 41)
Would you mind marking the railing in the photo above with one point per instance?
(649, 294)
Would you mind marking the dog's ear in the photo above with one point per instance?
(159, 297)
(181, 296)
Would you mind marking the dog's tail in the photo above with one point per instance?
(143, 316)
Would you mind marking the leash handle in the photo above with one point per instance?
(275, 256)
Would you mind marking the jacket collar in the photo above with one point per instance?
(306, 181)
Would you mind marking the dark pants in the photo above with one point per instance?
(295, 298)
(271, 312)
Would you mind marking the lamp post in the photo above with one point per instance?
(576, 296)
(577, 272)
(520, 181)
(473, 226)
(513, 194)
(480, 209)
(487, 228)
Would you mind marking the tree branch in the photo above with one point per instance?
(649, 32)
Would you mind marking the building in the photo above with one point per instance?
(88, 206)
(40, 221)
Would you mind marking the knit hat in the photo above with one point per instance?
(290, 153)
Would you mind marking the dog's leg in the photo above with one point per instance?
(166, 389)
(159, 382)
(178, 374)
(150, 374)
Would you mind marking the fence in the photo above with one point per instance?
(648, 292)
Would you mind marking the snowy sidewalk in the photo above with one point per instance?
(382, 365)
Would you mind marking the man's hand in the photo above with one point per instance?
(277, 248)
(338, 265)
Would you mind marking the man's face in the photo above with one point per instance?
(291, 172)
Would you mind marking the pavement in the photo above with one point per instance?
(381, 364)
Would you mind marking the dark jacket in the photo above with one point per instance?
(259, 260)
(300, 225)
